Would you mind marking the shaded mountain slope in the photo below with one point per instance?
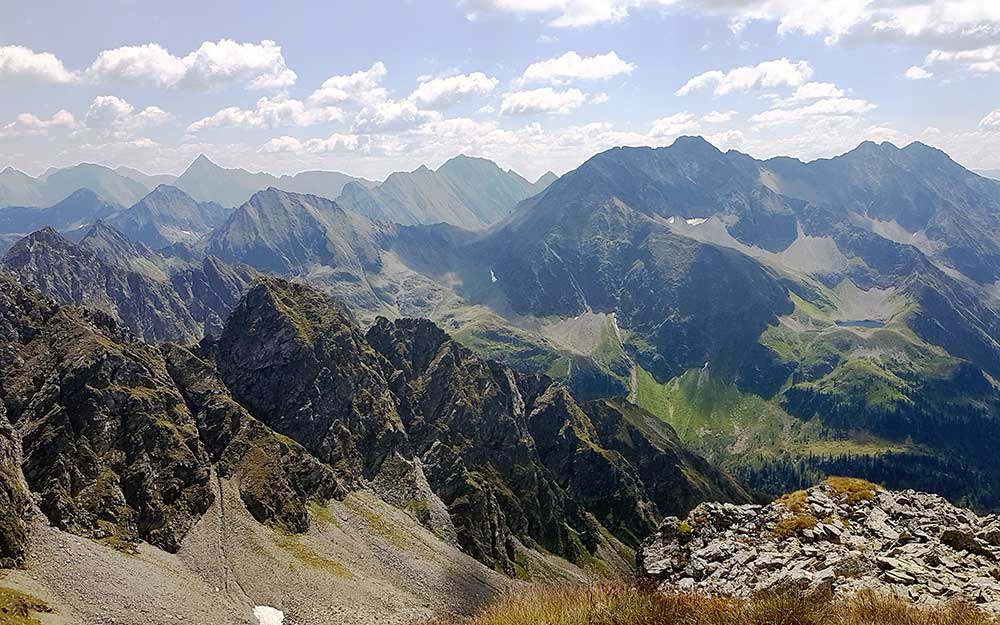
(466, 192)
(778, 277)
(167, 215)
(121, 439)
(78, 209)
(179, 305)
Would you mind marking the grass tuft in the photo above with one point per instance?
(852, 489)
(17, 608)
(624, 605)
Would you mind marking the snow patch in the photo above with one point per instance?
(266, 615)
(697, 221)
(671, 220)
(493, 276)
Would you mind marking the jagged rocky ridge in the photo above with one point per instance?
(158, 298)
(838, 537)
(121, 438)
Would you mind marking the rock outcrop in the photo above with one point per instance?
(840, 537)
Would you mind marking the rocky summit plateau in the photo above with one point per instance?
(838, 538)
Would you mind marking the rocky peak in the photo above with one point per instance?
(81, 195)
(301, 364)
(841, 536)
(202, 163)
(408, 344)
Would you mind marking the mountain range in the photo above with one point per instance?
(656, 328)
(293, 406)
(468, 192)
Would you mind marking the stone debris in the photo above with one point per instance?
(836, 538)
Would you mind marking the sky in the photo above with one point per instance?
(385, 85)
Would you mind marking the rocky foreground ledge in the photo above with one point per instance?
(836, 538)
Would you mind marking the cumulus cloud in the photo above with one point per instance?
(916, 72)
(826, 108)
(392, 115)
(571, 66)
(269, 113)
(963, 32)
(29, 124)
(769, 74)
(213, 64)
(817, 90)
(982, 60)
(991, 121)
(335, 143)
(568, 13)
(544, 100)
(442, 92)
(111, 113)
(361, 86)
(676, 124)
(963, 24)
(20, 64)
(718, 117)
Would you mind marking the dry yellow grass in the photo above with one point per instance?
(623, 605)
(853, 489)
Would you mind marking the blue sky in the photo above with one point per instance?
(373, 87)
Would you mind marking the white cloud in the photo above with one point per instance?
(718, 117)
(20, 64)
(441, 92)
(570, 13)
(111, 113)
(269, 113)
(963, 24)
(817, 90)
(392, 115)
(28, 124)
(916, 72)
(213, 64)
(676, 124)
(982, 60)
(335, 143)
(769, 74)
(962, 31)
(544, 100)
(361, 86)
(991, 121)
(826, 108)
(727, 139)
(571, 66)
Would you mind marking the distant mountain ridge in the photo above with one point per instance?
(80, 208)
(465, 191)
(20, 189)
(468, 192)
(205, 181)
